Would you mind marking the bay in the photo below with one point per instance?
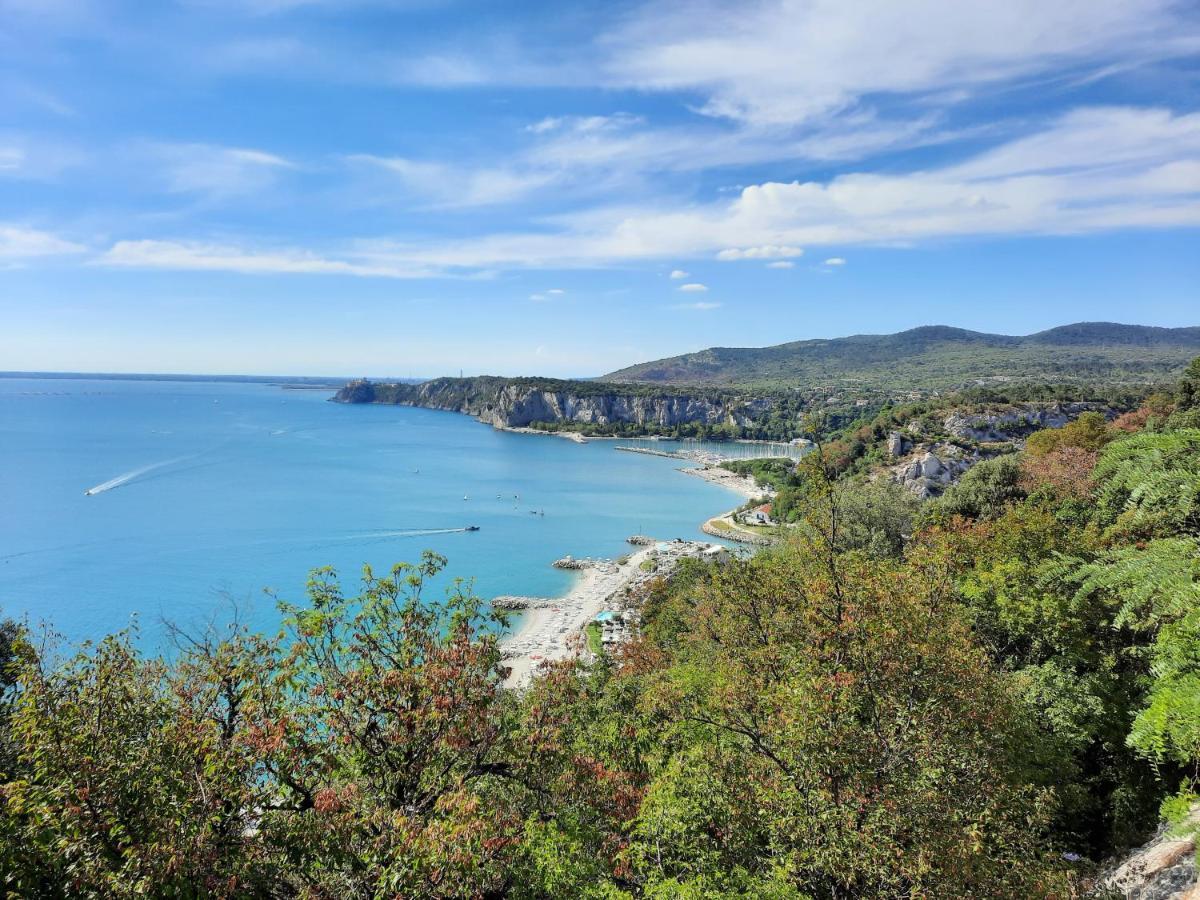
(203, 494)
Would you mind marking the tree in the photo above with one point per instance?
(983, 492)
(1088, 432)
(1149, 483)
(125, 790)
(390, 760)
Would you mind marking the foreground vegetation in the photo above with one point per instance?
(979, 697)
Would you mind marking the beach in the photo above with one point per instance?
(741, 484)
(549, 625)
(551, 628)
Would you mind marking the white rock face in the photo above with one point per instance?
(1016, 422)
(932, 467)
(1163, 869)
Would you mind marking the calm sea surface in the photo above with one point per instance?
(203, 493)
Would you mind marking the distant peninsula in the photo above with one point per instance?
(761, 394)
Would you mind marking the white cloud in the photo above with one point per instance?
(556, 291)
(788, 61)
(26, 156)
(781, 264)
(835, 261)
(693, 288)
(678, 274)
(764, 252)
(18, 242)
(452, 186)
(11, 159)
(698, 305)
(217, 171)
(1059, 180)
(152, 254)
(583, 124)
(1082, 193)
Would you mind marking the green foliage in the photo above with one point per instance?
(873, 708)
(1088, 432)
(935, 357)
(359, 757)
(775, 472)
(983, 492)
(1149, 483)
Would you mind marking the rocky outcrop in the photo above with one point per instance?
(931, 468)
(897, 445)
(1163, 869)
(1014, 423)
(518, 403)
(928, 457)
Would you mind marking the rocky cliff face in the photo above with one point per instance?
(516, 404)
(1163, 869)
(927, 463)
(1016, 422)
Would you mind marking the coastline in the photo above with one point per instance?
(551, 628)
(741, 484)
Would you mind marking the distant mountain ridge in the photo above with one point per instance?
(934, 356)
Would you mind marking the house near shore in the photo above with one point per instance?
(760, 515)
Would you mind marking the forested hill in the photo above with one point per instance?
(936, 356)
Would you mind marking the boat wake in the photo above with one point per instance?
(408, 532)
(125, 477)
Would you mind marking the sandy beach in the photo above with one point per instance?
(551, 628)
(742, 484)
(547, 626)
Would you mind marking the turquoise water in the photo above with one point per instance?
(204, 494)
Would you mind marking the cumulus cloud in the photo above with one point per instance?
(765, 252)
(693, 288)
(835, 261)
(1080, 192)
(781, 264)
(678, 274)
(1059, 180)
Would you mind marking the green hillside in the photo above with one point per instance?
(936, 356)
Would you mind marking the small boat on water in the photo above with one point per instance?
(472, 528)
(465, 497)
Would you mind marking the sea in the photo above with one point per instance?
(140, 503)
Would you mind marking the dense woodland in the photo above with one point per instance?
(934, 357)
(982, 696)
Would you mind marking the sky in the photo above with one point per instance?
(419, 187)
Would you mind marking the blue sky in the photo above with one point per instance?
(358, 187)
